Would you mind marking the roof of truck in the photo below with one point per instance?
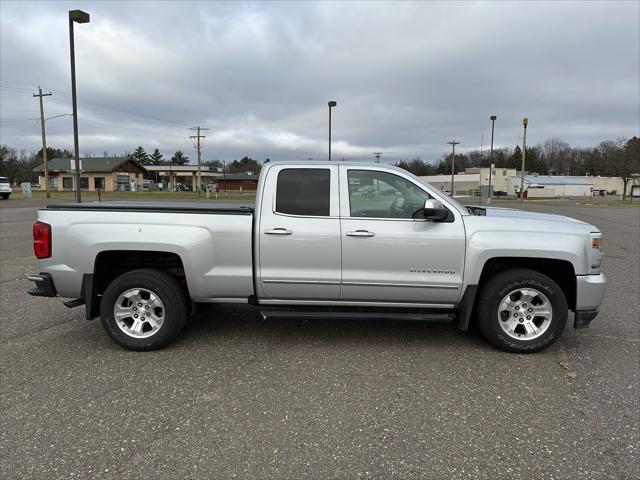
(327, 163)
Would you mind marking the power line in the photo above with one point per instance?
(99, 106)
(18, 83)
(11, 120)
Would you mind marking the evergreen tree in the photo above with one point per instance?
(156, 157)
(139, 155)
(179, 158)
(246, 164)
(54, 153)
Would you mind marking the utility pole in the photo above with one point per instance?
(480, 179)
(198, 150)
(44, 140)
(525, 122)
(493, 124)
(453, 143)
(377, 155)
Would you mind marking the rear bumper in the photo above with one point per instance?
(590, 291)
(44, 285)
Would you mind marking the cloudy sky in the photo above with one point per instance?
(408, 77)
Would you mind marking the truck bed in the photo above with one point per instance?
(159, 207)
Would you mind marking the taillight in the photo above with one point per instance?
(42, 239)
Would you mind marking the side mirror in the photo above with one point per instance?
(434, 210)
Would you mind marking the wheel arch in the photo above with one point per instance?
(560, 271)
(110, 264)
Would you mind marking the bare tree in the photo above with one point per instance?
(627, 163)
(557, 154)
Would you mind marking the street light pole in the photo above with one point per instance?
(453, 143)
(525, 122)
(377, 155)
(80, 17)
(331, 104)
(493, 125)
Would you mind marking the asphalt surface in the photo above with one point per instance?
(236, 396)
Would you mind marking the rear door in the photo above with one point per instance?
(299, 234)
(389, 256)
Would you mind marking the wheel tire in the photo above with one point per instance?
(172, 298)
(490, 308)
(5, 196)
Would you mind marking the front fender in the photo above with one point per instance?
(485, 245)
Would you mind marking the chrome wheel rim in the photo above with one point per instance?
(525, 313)
(139, 312)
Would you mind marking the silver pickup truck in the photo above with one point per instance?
(338, 240)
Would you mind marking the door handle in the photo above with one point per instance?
(361, 233)
(278, 231)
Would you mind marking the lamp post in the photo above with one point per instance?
(453, 143)
(525, 122)
(80, 17)
(493, 125)
(331, 104)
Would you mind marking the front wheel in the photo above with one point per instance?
(143, 309)
(522, 311)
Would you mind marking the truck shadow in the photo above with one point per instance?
(220, 323)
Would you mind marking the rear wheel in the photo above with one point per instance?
(522, 310)
(143, 309)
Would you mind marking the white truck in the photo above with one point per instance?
(339, 240)
(5, 188)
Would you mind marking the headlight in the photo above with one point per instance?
(596, 253)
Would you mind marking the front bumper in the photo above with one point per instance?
(583, 318)
(44, 285)
(589, 295)
(590, 291)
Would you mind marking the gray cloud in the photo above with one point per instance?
(407, 76)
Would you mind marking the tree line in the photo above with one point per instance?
(610, 158)
(18, 166)
(140, 155)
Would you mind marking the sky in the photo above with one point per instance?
(408, 77)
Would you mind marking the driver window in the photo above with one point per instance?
(375, 194)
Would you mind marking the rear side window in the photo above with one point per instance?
(303, 191)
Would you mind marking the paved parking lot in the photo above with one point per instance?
(237, 396)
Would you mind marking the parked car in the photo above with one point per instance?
(5, 188)
(310, 248)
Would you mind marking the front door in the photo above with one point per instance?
(299, 234)
(387, 255)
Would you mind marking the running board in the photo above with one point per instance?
(418, 316)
